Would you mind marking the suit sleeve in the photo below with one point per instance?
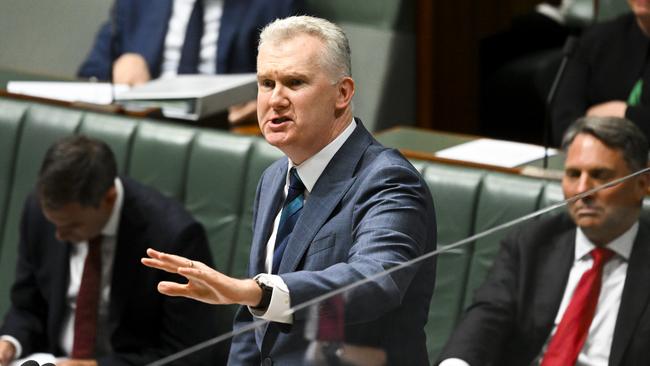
(392, 222)
(27, 316)
(99, 61)
(488, 322)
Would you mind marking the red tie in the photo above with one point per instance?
(85, 322)
(572, 331)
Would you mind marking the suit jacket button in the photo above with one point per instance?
(267, 362)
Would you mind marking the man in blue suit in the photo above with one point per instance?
(339, 208)
(136, 36)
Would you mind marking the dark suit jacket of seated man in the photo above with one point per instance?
(136, 324)
(140, 27)
(366, 209)
(517, 311)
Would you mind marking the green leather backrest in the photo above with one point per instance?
(159, 157)
(216, 174)
(455, 193)
(503, 197)
(116, 131)
(42, 126)
(11, 118)
(262, 155)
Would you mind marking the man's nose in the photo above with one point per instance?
(278, 97)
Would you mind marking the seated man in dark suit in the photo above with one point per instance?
(572, 289)
(80, 292)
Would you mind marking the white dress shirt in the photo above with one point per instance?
(309, 172)
(176, 30)
(78, 254)
(596, 349)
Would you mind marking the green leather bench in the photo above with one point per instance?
(215, 175)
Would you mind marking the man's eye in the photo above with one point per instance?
(267, 83)
(295, 82)
(571, 173)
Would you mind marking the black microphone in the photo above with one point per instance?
(48, 364)
(30, 363)
(570, 46)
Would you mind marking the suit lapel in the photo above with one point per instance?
(328, 191)
(131, 226)
(233, 12)
(61, 274)
(557, 258)
(635, 295)
(269, 203)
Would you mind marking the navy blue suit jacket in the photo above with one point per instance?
(368, 211)
(144, 325)
(140, 26)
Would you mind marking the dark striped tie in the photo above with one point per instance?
(290, 214)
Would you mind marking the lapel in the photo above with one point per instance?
(328, 191)
(127, 247)
(556, 262)
(635, 295)
(151, 25)
(232, 15)
(270, 199)
(60, 276)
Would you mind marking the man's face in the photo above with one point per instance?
(76, 223)
(297, 101)
(640, 8)
(608, 213)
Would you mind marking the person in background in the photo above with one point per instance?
(571, 288)
(80, 293)
(148, 39)
(339, 207)
(609, 74)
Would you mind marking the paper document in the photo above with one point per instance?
(68, 91)
(495, 152)
(191, 96)
(41, 358)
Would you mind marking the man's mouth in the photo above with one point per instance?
(279, 120)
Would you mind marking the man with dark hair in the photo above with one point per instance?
(79, 291)
(572, 289)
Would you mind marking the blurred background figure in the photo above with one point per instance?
(609, 74)
(147, 39)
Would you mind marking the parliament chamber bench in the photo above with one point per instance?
(214, 174)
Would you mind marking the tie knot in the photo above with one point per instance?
(601, 256)
(294, 181)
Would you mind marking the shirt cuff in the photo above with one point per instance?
(14, 341)
(453, 362)
(280, 300)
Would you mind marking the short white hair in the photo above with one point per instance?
(336, 54)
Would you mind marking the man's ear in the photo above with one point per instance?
(345, 92)
(110, 197)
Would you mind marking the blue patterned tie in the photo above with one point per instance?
(191, 50)
(290, 214)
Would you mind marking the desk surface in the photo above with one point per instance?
(423, 144)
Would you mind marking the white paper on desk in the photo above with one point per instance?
(68, 91)
(495, 152)
(41, 358)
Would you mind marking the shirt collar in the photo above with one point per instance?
(311, 169)
(110, 229)
(621, 245)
